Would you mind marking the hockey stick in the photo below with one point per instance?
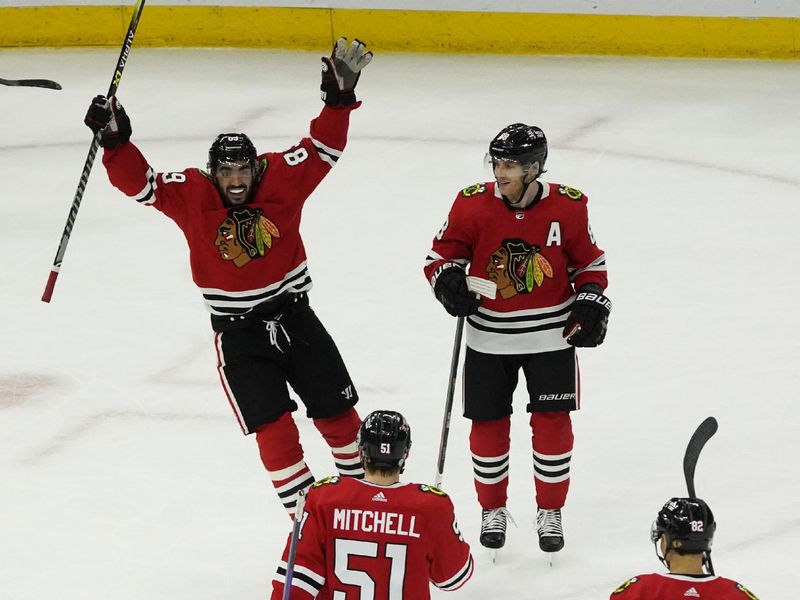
(298, 521)
(484, 288)
(41, 83)
(702, 434)
(87, 166)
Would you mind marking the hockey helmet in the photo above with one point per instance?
(688, 525)
(231, 148)
(384, 440)
(525, 144)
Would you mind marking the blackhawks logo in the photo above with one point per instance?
(331, 479)
(246, 234)
(518, 267)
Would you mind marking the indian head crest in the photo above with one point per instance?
(518, 267)
(245, 235)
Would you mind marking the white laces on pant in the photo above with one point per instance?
(272, 328)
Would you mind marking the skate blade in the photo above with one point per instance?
(493, 554)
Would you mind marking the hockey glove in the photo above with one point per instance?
(106, 116)
(341, 71)
(588, 321)
(450, 288)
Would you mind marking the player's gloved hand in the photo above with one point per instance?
(451, 290)
(106, 115)
(587, 323)
(341, 71)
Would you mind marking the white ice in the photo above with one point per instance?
(124, 473)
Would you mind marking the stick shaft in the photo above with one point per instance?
(448, 406)
(87, 165)
(296, 525)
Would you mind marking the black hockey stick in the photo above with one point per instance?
(297, 524)
(42, 83)
(699, 438)
(485, 288)
(448, 405)
(87, 166)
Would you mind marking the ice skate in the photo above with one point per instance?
(493, 528)
(548, 526)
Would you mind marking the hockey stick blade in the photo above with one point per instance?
(702, 434)
(40, 83)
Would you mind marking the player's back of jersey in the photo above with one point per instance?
(388, 542)
(668, 586)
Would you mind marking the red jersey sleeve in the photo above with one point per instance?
(452, 245)
(587, 262)
(451, 559)
(308, 576)
(130, 173)
(295, 173)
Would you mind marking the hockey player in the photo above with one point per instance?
(532, 238)
(241, 220)
(376, 538)
(682, 535)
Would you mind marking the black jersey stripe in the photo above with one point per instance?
(260, 295)
(515, 330)
(524, 318)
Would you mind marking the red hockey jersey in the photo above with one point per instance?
(537, 256)
(244, 255)
(668, 586)
(361, 540)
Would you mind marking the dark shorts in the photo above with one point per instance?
(262, 355)
(490, 381)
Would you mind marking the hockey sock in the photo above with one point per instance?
(489, 442)
(282, 455)
(552, 451)
(340, 433)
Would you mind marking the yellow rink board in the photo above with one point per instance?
(407, 31)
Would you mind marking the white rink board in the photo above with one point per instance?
(689, 8)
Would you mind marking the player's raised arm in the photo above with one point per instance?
(308, 162)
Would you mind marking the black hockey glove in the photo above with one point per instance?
(450, 288)
(341, 71)
(588, 321)
(106, 115)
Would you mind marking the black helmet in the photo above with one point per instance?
(233, 148)
(384, 440)
(688, 525)
(522, 143)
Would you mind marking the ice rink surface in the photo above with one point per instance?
(124, 473)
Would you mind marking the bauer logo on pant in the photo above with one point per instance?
(246, 234)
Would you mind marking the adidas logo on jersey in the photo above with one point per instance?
(692, 593)
(379, 497)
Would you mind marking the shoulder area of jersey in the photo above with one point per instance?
(476, 189)
(622, 588)
(330, 480)
(568, 193)
(430, 489)
(747, 593)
